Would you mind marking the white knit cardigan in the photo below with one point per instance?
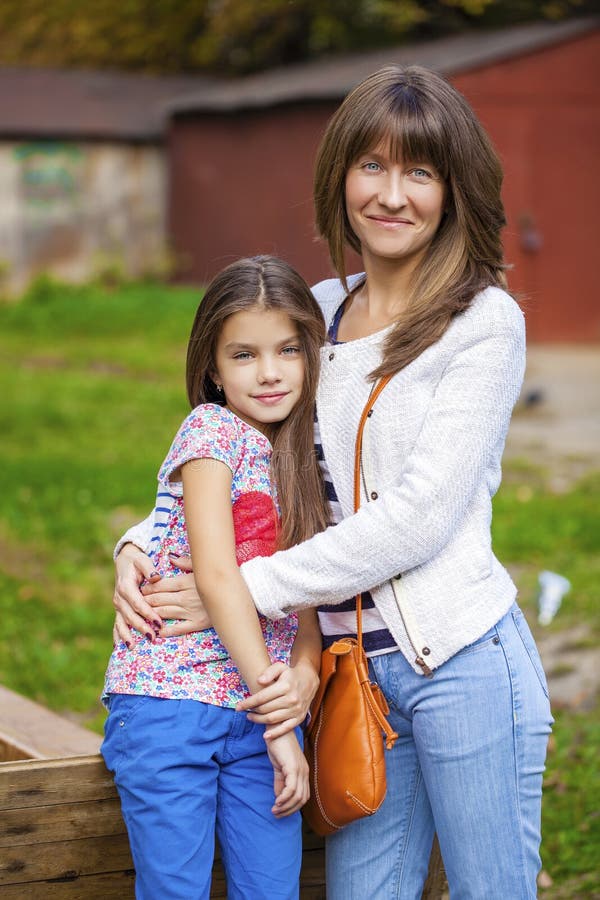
(432, 448)
(432, 451)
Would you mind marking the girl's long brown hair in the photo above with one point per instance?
(424, 120)
(266, 282)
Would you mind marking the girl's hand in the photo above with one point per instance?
(290, 781)
(177, 597)
(285, 700)
(132, 567)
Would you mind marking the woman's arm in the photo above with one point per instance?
(139, 535)
(413, 520)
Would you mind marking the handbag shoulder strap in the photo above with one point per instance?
(357, 469)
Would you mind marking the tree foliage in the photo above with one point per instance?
(236, 36)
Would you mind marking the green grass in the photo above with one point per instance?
(92, 386)
(571, 809)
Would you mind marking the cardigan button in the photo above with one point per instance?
(331, 356)
(425, 651)
(374, 495)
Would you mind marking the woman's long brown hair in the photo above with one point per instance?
(265, 282)
(423, 119)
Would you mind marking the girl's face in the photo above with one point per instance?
(260, 365)
(394, 207)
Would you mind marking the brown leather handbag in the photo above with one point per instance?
(344, 742)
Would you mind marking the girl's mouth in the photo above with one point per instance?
(270, 399)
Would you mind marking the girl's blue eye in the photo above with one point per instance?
(243, 354)
(291, 350)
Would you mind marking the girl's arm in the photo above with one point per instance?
(287, 692)
(209, 522)
(415, 518)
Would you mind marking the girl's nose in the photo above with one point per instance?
(268, 372)
(392, 193)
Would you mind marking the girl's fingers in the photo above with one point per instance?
(293, 797)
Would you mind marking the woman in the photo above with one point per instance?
(407, 177)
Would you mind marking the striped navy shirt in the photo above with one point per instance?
(340, 620)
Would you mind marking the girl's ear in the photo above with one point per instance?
(214, 377)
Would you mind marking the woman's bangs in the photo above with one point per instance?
(406, 133)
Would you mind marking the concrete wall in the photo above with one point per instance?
(243, 183)
(72, 209)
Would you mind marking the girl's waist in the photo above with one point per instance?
(206, 646)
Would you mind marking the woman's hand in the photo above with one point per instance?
(177, 597)
(285, 699)
(290, 782)
(133, 611)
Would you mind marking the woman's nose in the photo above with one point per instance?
(392, 192)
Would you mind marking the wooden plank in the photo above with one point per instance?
(37, 733)
(109, 886)
(54, 781)
(436, 884)
(65, 859)
(60, 822)
(11, 751)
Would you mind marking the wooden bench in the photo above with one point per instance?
(61, 832)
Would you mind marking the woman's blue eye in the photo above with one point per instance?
(371, 166)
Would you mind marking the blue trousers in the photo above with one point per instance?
(468, 764)
(183, 768)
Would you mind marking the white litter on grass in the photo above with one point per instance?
(553, 588)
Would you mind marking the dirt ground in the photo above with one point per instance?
(557, 425)
(557, 419)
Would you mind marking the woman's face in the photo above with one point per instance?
(394, 207)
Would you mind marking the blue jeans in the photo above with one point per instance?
(468, 765)
(181, 767)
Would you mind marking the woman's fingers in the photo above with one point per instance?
(277, 730)
(255, 701)
(170, 585)
(121, 631)
(182, 626)
(182, 562)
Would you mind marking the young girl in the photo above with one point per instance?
(407, 177)
(184, 758)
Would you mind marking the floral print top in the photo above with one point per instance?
(196, 666)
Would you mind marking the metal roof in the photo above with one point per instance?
(101, 105)
(331, 79)
(63, 103)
